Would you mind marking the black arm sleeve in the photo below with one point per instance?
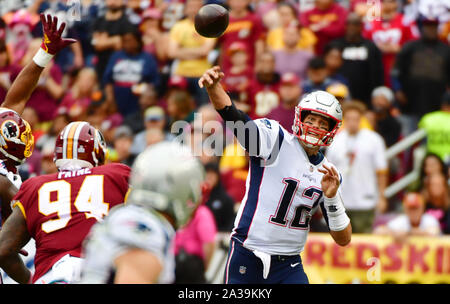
(231, 113)
(243, 127)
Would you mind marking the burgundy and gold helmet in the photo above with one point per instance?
(81, 142)
(16, 139)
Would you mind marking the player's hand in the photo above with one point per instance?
(53, 41)
(211, 77)
(330, 181)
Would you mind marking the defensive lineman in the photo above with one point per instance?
(288, 180)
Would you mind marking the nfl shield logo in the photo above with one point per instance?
(242, 269)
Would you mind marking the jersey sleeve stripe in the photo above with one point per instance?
(256, 176)
(22, 209)
(126, 196)
(70, 138)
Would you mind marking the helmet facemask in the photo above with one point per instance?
(302, 130)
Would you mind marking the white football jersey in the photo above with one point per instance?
(281, 196)
(129, 226)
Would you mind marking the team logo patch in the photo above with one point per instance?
(332, 208)
(242, 269)
(267, 123)
(10, 129)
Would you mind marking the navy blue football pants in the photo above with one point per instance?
(244, 267)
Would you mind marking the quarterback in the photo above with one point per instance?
(288, 180)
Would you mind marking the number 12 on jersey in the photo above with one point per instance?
(89, 200)
(302, 213)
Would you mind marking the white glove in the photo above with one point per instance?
(15, 179)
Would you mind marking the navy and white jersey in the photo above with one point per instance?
(283, 191)
(127, 227)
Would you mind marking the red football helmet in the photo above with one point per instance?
(16, 139)
(82, 142)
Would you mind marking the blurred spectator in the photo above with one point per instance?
(290, 93)
(361, 57)
(172, 12)
(290, 58)
(46, 97)
(437, 126)
(101, 117)
(154, 118)
(390, 32)
(431, 164)
(154, 136)
(218, 200)
(135, 9)
(333, 62)
(437, 197)
(326, 20)
(190, 51)
(413, 222)
(20, 24)
(340, 91)
(317, 76)
(77, 99)
(8, 71)
(180, 106)
(359, 155)
(57, 125)
(267, 9)
(3, 29)
(237, 80)
(156, 41)
(382, 120)
(244, 26)
(47, 164)
(362, 7)
(126, 70)
(147, 98)
(423, 70)
(194, 247)
(264, 86)
(123, 139)
(288, 16)
(107, 31)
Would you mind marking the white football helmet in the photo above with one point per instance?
(321, 103)
(166, 177)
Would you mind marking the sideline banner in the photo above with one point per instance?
(373, 259)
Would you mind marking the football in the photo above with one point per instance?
(211, 20)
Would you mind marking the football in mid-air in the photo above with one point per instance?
(211, 20)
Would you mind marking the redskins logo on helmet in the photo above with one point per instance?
(82, 142)
(16, 139)
(320, 103)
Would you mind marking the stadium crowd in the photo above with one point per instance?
(134, 70)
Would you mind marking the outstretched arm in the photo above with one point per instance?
(25, 83)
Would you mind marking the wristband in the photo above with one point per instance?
(42, 58)
(337, 218)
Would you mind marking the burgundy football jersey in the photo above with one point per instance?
(61, 208)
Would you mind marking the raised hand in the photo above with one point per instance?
(53, 42)
(330, 181)
(211, 77)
